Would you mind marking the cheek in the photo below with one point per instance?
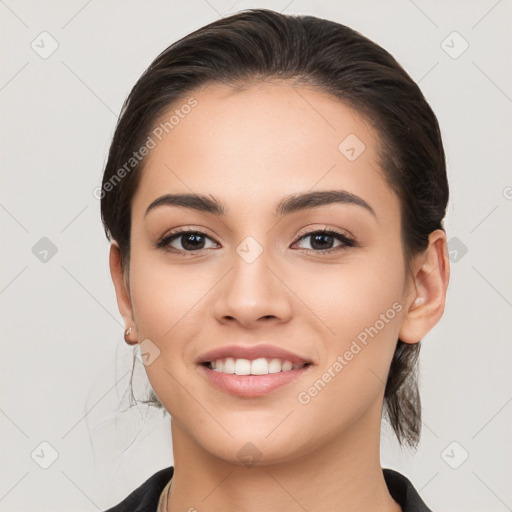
(359, 304)
(165, 298)
(348, 297)
(167, 308)
(362, 308)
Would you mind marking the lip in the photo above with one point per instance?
(252, 386)
(251, 352)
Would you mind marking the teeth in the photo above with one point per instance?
(229, 365)
(260, 366)
(274, 366)
(287, 366)
(242, 367)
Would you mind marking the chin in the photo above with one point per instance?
(254, 450)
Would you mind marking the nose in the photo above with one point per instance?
(254, 293)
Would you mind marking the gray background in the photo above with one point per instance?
(65, 367)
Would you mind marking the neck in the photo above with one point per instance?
(340, 475)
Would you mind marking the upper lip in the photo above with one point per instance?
(251, 352)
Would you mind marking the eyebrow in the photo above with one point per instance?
(286, 206)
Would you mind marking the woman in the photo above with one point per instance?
(275, 193)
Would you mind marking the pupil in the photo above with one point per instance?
(317, 238)
(189, 244)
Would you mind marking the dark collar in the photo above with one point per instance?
(403, 492)
(145, 497)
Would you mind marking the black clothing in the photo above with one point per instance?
(145, 497)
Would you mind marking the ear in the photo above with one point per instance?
(122, 288)
(425, 302)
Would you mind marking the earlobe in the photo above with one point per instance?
(425, 304)
(122, 292)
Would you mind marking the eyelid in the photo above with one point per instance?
(180, 231)
(186, 229)
(347, 240)
(322, 227)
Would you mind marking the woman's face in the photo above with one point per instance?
(254, 281)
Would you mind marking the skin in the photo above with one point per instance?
(267, 142)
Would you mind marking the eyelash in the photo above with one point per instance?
(164, 242)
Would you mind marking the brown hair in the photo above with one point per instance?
(259, 44)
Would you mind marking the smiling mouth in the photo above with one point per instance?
(259, 366)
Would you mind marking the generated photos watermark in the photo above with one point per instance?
(342, 360)
(156, 135)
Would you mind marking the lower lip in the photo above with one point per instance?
(250, 386)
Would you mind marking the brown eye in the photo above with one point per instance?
(322, 241)
(184, 241)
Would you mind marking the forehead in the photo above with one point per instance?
(253, 146)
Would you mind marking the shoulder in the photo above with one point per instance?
(145, 497)
(403, 492)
